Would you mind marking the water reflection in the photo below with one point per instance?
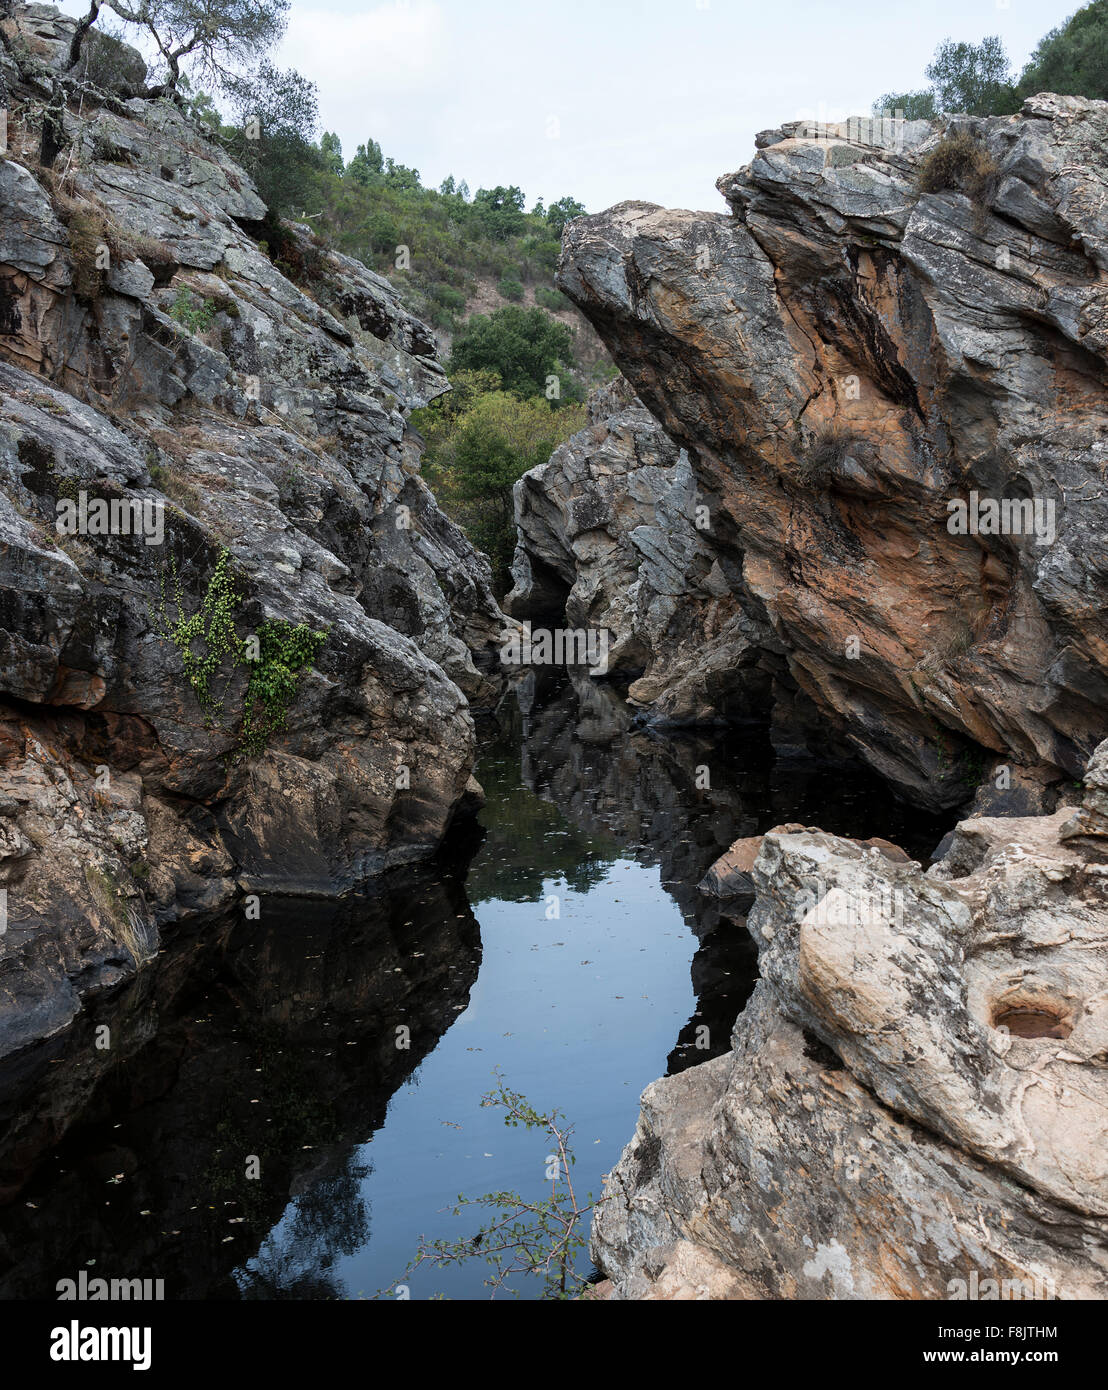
(287, 1104)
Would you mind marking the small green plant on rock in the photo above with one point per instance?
(207, 637)
(285, 649)
(208, 640)
(196, 317)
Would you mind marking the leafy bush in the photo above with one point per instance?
(480, 440)
(554, 300)
(509, 288)
(195, 315)
(523, 346)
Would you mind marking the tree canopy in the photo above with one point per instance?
(218, 38)
(975, 79)
(523, 346)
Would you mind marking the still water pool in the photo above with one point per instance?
(562, 944)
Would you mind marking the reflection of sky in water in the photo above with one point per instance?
(579, 1013)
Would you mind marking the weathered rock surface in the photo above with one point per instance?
(608, 537)
(842, 357)
(917, 1092)
(150, 350)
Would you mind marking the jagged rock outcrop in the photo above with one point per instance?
(843, 357)
(917, 1092)
(152, 352)
(609, 538)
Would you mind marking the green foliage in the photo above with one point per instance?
(526, 1236)
(1072, 59)
(554, 300)
(367, 166)
(208, 642)
(523, 346)
(275, 116)
(510, 288)
(559, 213)
(911, 106)
(330, 147)
(480, 442)
(194, 315)
(959, 162)
(285, 650)
(216, 38)
(206, 638)
(500, 211)
(972, 78)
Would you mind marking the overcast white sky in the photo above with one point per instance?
(615, 99)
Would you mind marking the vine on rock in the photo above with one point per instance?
(208, 640)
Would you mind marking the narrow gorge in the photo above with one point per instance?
(297, 858)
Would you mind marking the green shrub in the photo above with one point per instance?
(554, 300)
(510, 288)
(190, 313)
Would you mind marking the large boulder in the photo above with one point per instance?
(916, 1101)
(850, 361)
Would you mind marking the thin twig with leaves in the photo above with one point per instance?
(539, 1236)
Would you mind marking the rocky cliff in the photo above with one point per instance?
(916, 1100)
(894, 326)
(609, 538)
(167, 351)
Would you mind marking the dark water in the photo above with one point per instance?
(562, 943)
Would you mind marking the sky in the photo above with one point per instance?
(607, 100)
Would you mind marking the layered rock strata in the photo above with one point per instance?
(893, 402)
(242, 404)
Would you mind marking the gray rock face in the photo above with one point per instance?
(608, 536)
(844, 357)
(152, 353)
(916, 1099)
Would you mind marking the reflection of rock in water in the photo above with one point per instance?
(680, 800)
(287, 1051)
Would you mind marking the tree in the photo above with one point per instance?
(331, 149)
(524, 346)
(561, 212)
(1072, 59)
(500, 211)
(368, 165)
(911, 106)
(276, 114)
(972, 78)
(400, 176)
(480, 458)
(217, 37)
